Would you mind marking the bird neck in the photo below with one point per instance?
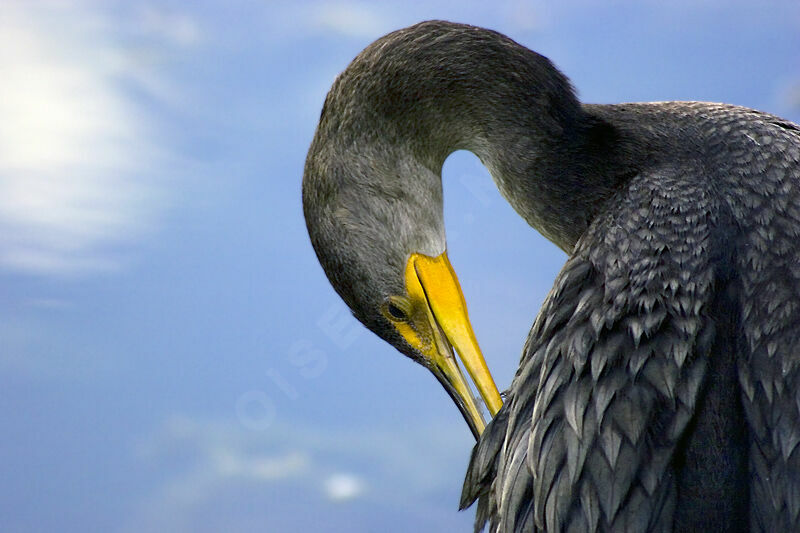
(554, 162)
(557, 170)
(420, 95)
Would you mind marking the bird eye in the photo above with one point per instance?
(395, 312)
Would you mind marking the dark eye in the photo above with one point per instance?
(395, 312)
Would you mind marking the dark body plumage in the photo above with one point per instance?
(659, 388)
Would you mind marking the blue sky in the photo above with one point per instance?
(171, 355)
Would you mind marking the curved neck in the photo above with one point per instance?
(421, 93)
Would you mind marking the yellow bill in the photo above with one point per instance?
(436, 323)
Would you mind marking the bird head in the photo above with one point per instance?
(373, 208)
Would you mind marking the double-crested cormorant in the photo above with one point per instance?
(659, 388)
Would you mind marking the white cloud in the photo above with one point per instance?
(232, 464)
(77, 154)
(206, 459)
(343, 487)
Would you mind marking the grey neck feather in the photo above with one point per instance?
(426, 91)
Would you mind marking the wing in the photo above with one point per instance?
(610, 373)
(769, 267)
